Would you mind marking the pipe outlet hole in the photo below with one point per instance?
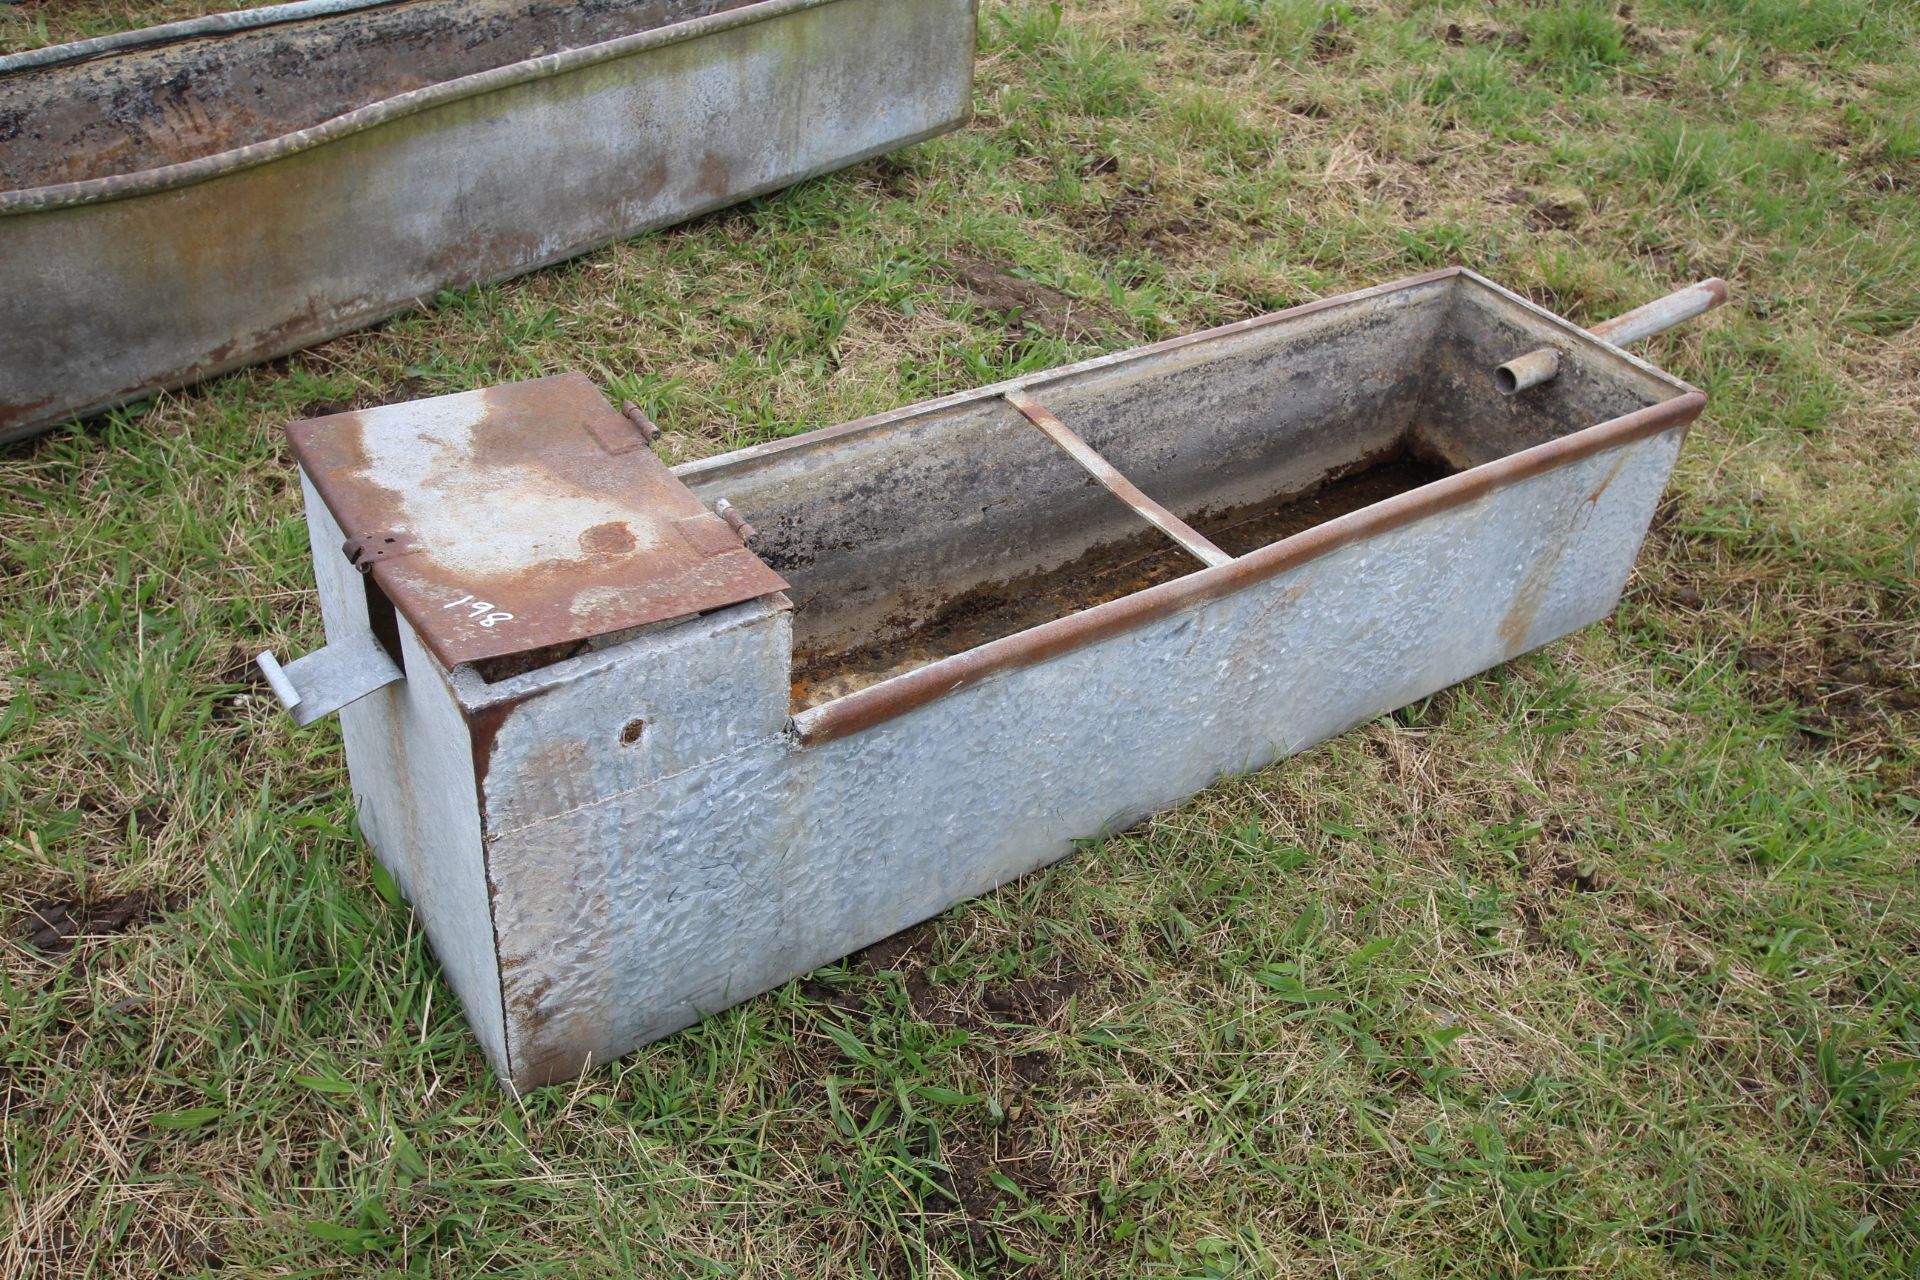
(630, 736)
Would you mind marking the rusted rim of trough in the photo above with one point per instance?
(203, 168)
(881, 702)
(868, 707)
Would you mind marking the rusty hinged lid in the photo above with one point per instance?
(503, 521)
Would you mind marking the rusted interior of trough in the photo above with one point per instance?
(916, 536)
(998, 609)
(176, 100)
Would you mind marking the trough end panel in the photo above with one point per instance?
(559, 749)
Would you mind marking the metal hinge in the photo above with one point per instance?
(363, 550)
(736, 522)
(613, 436)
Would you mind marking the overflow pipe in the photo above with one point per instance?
(1536, 367)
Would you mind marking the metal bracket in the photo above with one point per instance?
(1119, 486)
(316, 686)
(363, 550)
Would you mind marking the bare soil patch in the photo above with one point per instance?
(1851, 685)
(56, 925)
(1022, 304)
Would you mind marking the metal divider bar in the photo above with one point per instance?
(1121, 487)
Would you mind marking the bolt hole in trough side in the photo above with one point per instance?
(631, 732)
(932, 531)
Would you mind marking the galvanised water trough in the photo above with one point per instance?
(640, 743)
(188, 199)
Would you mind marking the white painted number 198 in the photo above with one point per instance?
(480, 611)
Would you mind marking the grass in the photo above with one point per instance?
(1603, 963)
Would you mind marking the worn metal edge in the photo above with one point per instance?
(895, 697)
(204, 168)
(274, 15)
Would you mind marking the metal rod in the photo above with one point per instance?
(1536, 367)
(277, 680)
(1118, 485)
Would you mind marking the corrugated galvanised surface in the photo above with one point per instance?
(160, 227)
(504, 521)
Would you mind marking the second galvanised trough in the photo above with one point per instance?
(641, 743)
(192, 198)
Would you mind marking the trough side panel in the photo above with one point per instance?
(878, 530)
(752, 868)
(158, 101)
(270, 258)
(413, 787)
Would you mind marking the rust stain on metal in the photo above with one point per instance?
(614, 538)
(1517, 625)
(708, 533)
(483, 731)
(716, 175)
(493, 488)
(1613, 473)
(616, 436)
